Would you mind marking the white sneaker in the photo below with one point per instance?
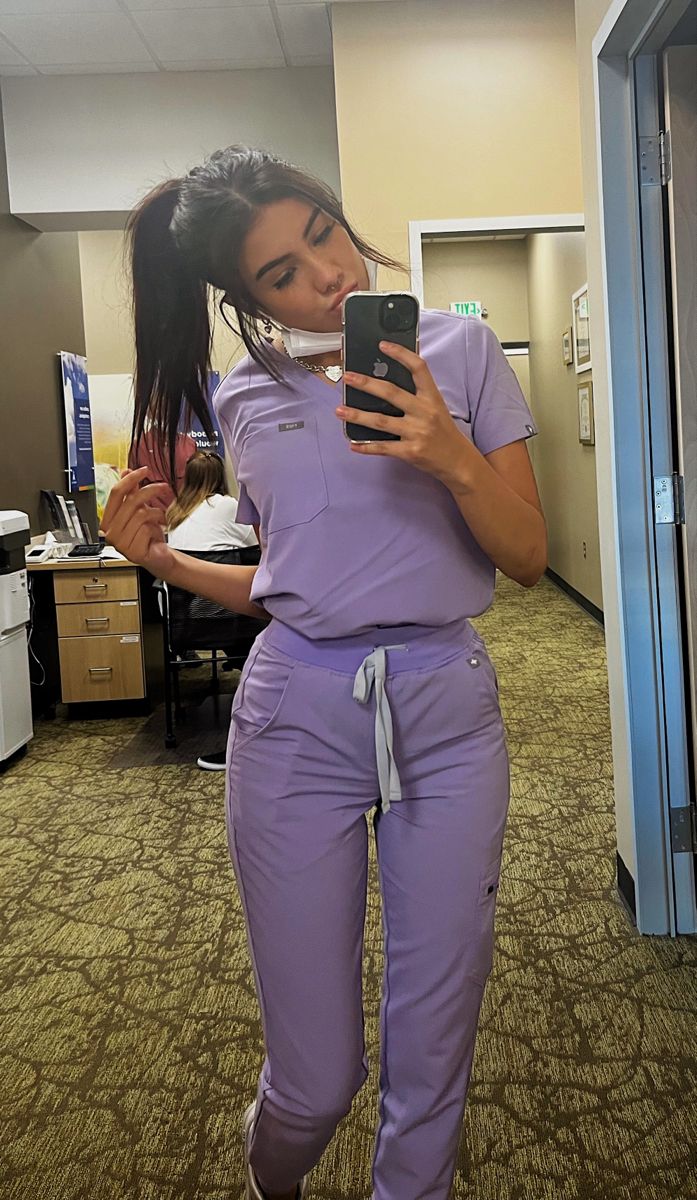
(215, 761)
(252, 1189)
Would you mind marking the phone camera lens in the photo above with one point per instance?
(398, 314)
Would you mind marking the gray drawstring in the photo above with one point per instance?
(372, 672)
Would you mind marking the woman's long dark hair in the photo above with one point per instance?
(184, 237)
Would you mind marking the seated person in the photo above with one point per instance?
(203, 516)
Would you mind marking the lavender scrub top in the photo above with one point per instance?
(353, 541)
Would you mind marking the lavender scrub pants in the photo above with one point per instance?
(405, 720)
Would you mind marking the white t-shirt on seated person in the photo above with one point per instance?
(212, 526)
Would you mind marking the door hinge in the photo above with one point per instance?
(665, 157)
(683, 829)
(655, 168)
(669, 499)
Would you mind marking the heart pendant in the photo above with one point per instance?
(333, 373)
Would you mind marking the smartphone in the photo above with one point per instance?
(368, 319)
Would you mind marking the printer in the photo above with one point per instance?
(16, 727)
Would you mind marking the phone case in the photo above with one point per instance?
(362, 333)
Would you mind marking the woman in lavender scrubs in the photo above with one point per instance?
(369, 689)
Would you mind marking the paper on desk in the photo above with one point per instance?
(111, 552)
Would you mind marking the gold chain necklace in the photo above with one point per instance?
(333, 372)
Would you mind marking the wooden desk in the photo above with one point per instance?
(99, 628)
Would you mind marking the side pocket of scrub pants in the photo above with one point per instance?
(260, 698)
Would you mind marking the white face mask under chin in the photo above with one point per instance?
(302, 343)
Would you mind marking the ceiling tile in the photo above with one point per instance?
(150, 5)
(222, 64)
(16, 69)
(9, 56)
(239, 35)
(112, 68)
(305, 30)
(27, 8)
(75, 38)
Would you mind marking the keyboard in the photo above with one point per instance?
(89, 550)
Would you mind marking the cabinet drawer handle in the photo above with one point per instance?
(95, 587)
(100, 670)
(96, 620)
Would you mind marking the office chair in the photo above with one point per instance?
(192, 622)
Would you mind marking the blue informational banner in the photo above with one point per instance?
(78, 422)
(194, 428)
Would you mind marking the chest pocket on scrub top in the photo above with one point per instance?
(281, 468)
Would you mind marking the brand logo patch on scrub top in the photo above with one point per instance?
(291, 425)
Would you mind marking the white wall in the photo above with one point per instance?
(81, 150)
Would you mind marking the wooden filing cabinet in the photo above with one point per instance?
(100, 636)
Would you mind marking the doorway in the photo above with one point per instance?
(644, 58)
(522, 283)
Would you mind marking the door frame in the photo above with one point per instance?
(646, 565)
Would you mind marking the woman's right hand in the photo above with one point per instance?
(134, 520)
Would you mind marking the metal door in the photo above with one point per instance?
(680, 177)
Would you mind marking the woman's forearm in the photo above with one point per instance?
(226, 584)
(510, 530)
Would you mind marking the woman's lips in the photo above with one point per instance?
(339, 300)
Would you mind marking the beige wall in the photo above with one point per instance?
(106, 305)
(107, 314)
(494, 272)
(484, 119)
(564, 467)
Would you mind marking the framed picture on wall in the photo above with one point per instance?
(586, 424)
(567, 346)
(580, 324)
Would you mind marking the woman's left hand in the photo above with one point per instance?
(429, 438)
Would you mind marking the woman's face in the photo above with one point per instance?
(298, 264)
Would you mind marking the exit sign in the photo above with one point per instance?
(467, 308)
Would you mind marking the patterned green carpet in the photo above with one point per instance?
(129, 1030)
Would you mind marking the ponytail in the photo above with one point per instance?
(172, 329)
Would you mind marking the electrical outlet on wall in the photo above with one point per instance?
(585, 553)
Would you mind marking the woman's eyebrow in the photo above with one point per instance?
(276, 262)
